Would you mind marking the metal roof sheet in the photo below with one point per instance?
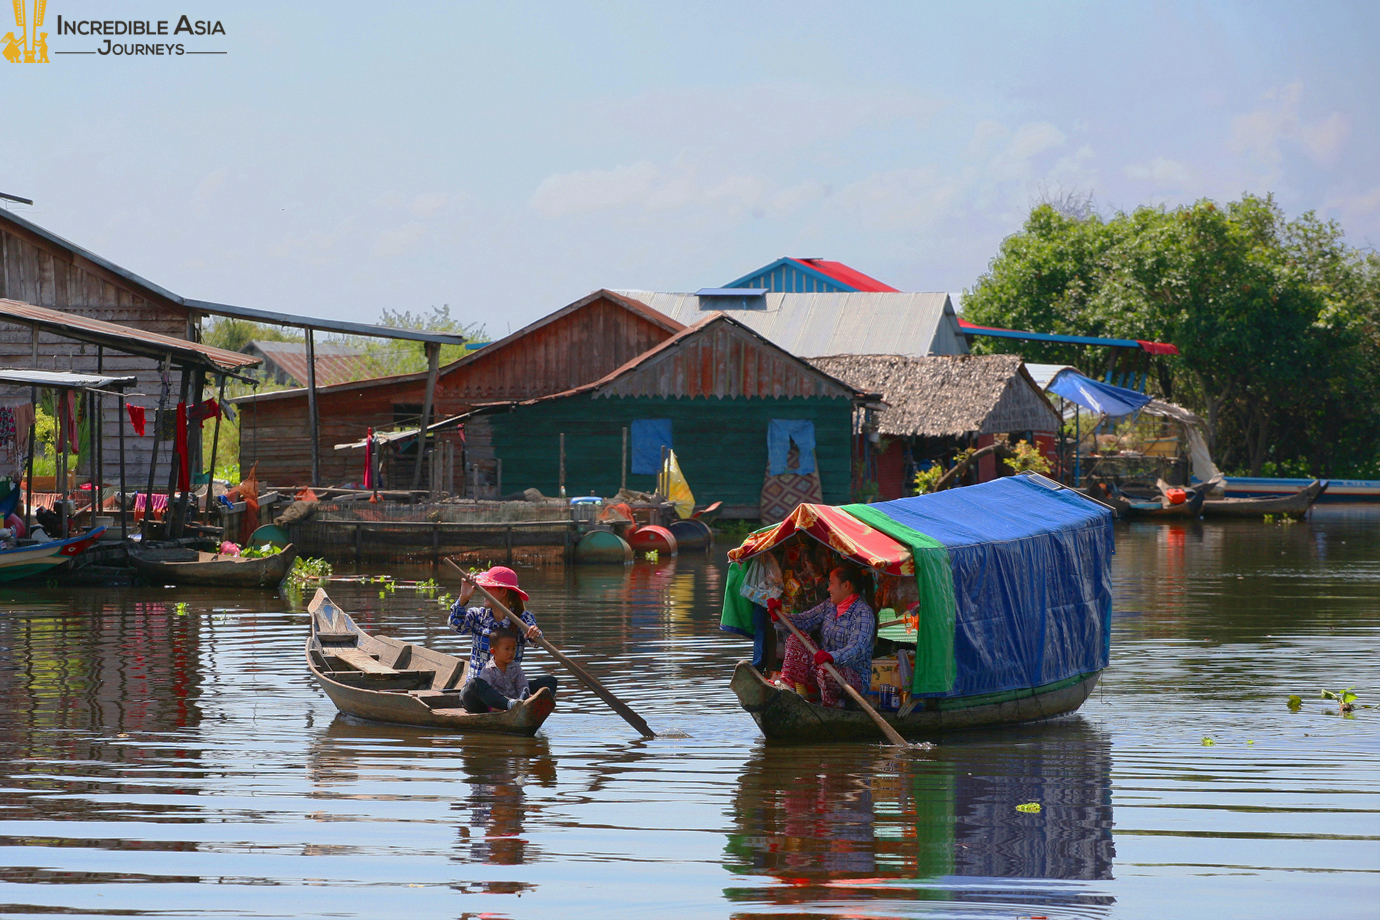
(812, 325)
(18, 376)
(334, 363)
(123, 338)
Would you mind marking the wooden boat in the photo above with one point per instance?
(36, 558)
(784, 715)
(386, 680)
(179, 565)
(1191, 507)
(1295, 505)
(1338, 490)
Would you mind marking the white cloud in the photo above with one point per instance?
(1028, 141)
(1259, 134)
(429, 203)
(1163, 172)
(899, 199)
(399, 240)
(644, 186)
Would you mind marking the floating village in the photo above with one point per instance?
(804, 402)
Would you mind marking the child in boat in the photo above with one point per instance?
(501, 685)
(848, 630)
(480, 622)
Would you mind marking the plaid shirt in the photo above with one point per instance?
(480, 623)
(848, 636)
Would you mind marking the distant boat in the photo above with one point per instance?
(1190, 507)
(177, 565)
(34, 559)
(1295, 505)
(1338, 490)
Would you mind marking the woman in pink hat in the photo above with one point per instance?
(480, 623)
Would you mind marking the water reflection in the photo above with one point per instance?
(821, 820)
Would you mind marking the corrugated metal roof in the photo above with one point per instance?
(847, 275)
(123, 338)
(811, 325)
(334, 363)
(718, 357)
(35, 378)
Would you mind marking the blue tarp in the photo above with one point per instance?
(1096, 395)
(780, 433)
(1032, 580)
(648, 436)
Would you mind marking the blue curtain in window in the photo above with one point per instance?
(780, 433)
(648, 436)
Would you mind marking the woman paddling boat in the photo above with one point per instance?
(481, 622)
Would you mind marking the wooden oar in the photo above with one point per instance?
(588, 679)
(891, 734)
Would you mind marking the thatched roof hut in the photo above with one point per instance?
(944, 396)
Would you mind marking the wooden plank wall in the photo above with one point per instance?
(721, 444)
(572, 350)
(35, 272)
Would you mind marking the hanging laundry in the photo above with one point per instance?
(136, 418)
(23, 419)
(69, 434)
(7, 426)
(209, 409)
(227, 410)
(369, 460)
(184, 480)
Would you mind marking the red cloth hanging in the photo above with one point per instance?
(136, 418)
(184, 481)
(69, 440)
(369, 460)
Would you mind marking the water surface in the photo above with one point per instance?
(178, 762)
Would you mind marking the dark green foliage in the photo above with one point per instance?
(1278, 321)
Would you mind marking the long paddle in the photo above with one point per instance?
(588, 679)
(891, 734)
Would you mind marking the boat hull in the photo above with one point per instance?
(215, 571)
(32, 561)
(419, 687)
(1338, 490)
(1295, 505)
(1192, 507)
(784, 715)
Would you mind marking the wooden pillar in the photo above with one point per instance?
(145, 527)
(313, 421)
(561, 480)
(124, 521)
(433, 362)
(215, 444)
(171, 527)
(623, 467)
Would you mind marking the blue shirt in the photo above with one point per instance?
(480, 623)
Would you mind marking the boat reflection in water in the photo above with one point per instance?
(816, 825)
(370, 765)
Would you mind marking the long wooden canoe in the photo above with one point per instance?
(784, 715)
(178, 565)
(386, 680)
(1191, 507)
(1296, 505)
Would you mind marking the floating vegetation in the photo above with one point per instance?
(1030, 808)
(181, 608)
(1208, 742)
(1346, 699)
(651, 555)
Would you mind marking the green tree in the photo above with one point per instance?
(1275, 319)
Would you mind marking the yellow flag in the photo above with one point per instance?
(677, 489)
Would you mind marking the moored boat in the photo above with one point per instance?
(179, 565)
(997, 597)
(37, 558)
(1295, 505)
(387, 680)
(1338, 490)
(1190, 507)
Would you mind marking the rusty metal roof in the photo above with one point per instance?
(124, 338)
(334, 363)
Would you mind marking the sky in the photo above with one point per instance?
(506, 159)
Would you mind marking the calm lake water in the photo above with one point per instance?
(179, 763)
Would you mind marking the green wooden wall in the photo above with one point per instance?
(721, 444)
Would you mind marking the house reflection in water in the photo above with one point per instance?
(822, 821)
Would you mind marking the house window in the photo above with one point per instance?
(407, 415)
(649, 436)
